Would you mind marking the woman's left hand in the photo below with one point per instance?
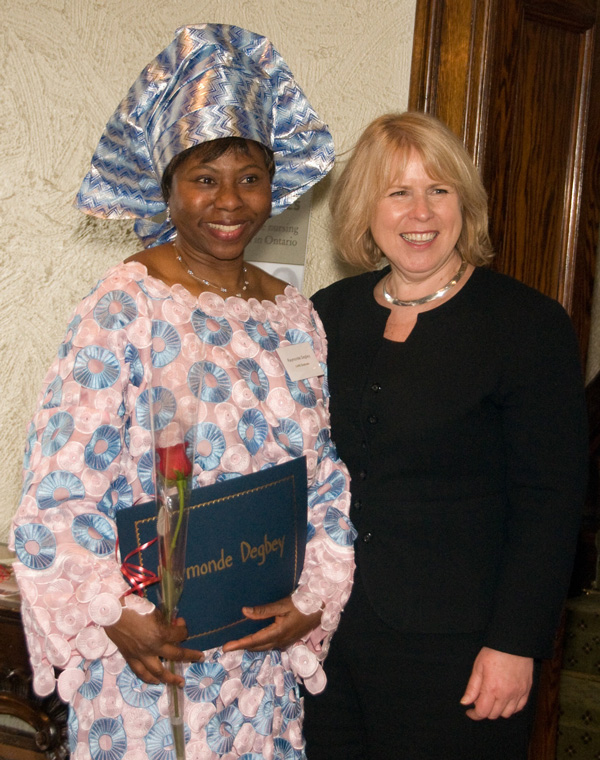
(499, 685)
(289, 626)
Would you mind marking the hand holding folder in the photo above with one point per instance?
(246, 541)
(288, 626)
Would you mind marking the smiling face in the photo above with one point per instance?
(219, 205)
(416, 223)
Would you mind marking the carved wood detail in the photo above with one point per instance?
(47, 717)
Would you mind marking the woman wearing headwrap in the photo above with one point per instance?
(215, 135)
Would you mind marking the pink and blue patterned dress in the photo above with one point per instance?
(88, 456)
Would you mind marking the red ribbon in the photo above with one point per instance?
(138, 577)
(5, 573)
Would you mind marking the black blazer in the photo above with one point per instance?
(467, 447)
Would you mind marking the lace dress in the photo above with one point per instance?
(88, 456)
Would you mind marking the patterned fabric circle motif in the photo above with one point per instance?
(210, 444)
(262, 333)
(251, 665)
(118, 496)
(29, 444)
(210, 381)
(103, 447)
(107, 739)
(223, 728)
(96, 368)
(164, 407)
(203, 681)
(94, 677)
(115, 310)
(285, 751)
(145, 471)
(215, 331)
(53, 395)
(255, 378)
(296, 336)
(228, 476)
(323, 444)
(135, 692)
(301, 392)
(57, 433)
(288, 435)
(262, 722)
(35, 546)
(166, 343)
(159, 741)
(329, 489)
(337, 527)
(290, 702)
(94, 533)
(136, 368)
(253, 430)
(57, 487)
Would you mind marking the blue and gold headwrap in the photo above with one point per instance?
(212, 81)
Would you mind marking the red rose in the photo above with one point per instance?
(173, 463)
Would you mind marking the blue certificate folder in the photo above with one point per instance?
(245, 546)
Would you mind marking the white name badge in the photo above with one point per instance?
(299, 361)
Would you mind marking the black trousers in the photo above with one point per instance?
(392, 696)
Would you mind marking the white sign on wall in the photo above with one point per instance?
(280, 245)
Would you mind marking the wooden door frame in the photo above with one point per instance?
(450, 78)
(448, 74)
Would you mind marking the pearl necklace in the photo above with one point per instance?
(426, 299)
(207, 282)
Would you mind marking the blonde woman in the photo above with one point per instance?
(457, 404)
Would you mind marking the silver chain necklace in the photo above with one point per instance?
(426, 299)
(207, 282)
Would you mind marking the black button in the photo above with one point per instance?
(367, 537)
(358, 504)
(373, 419)
(362, 474)
(363, 445)
(375, 387)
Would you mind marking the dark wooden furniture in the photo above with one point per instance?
(44, 737)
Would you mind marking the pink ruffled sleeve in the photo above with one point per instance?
(77, 469)
(326, 580)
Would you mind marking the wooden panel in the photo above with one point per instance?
(16, 746)
(534, 156)
(449, 75)
(577, 15)
(14, 649)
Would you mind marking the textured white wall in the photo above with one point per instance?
(65, 66)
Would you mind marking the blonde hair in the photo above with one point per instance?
(382, 153)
